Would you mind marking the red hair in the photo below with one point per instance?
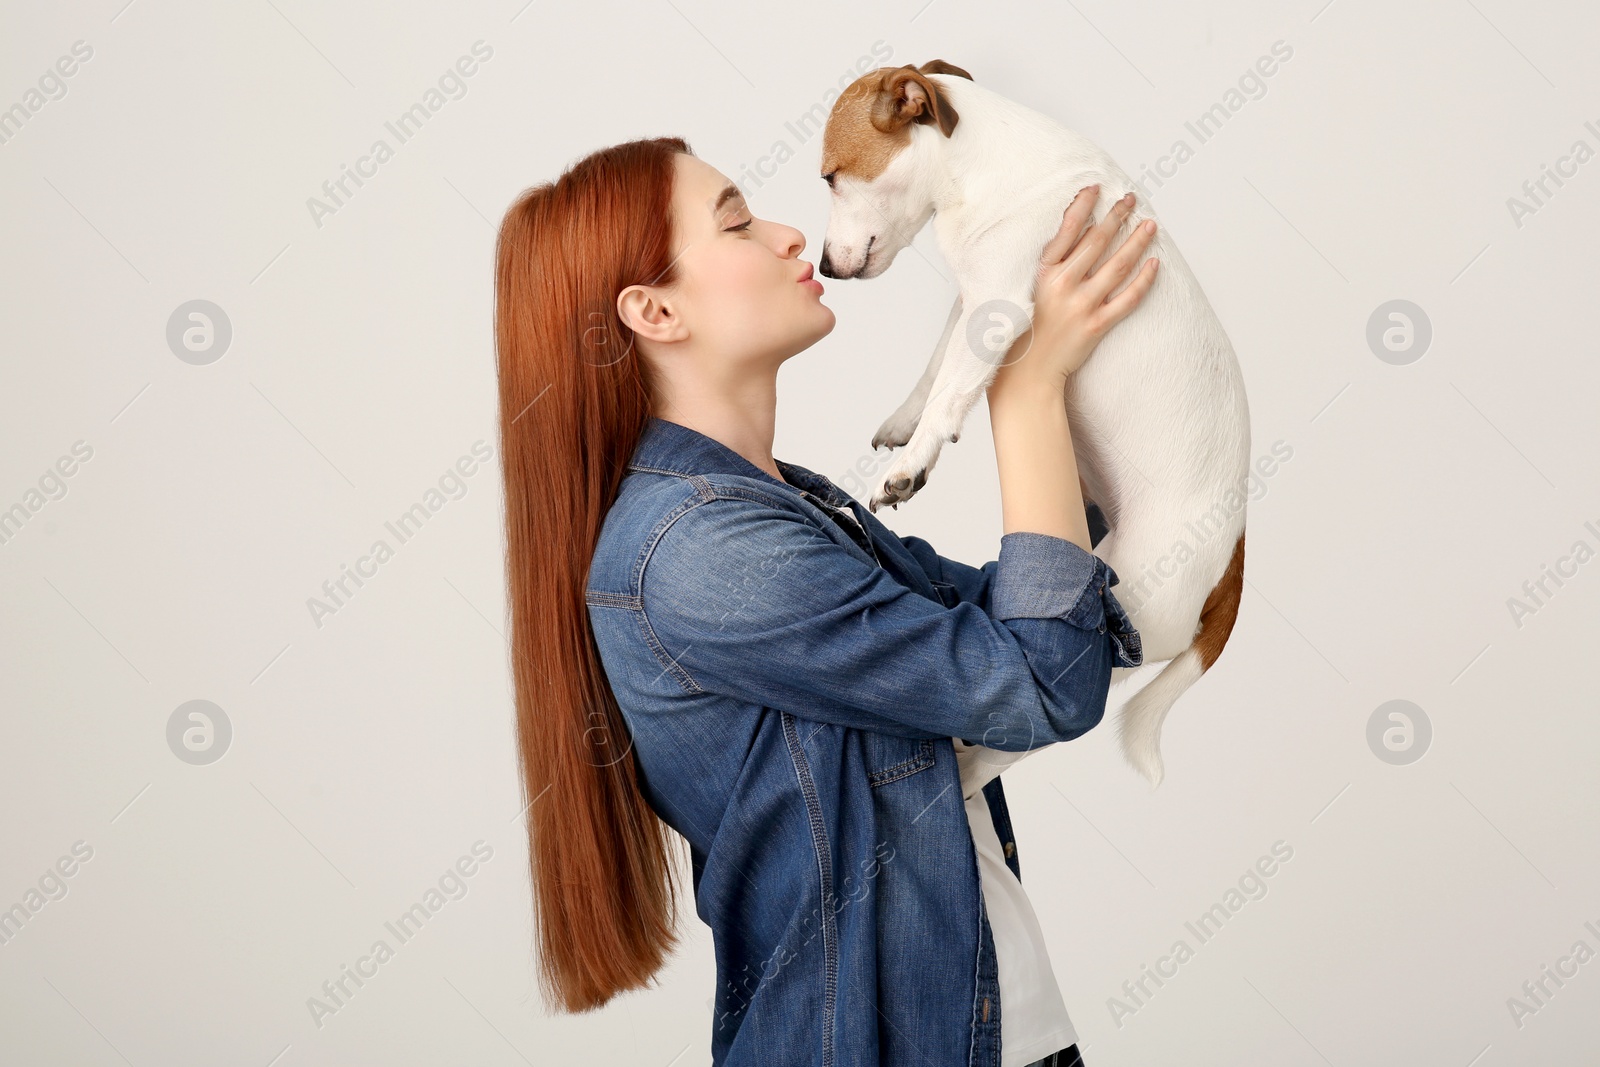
(574, 397)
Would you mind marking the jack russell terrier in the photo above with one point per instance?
(1158, 415)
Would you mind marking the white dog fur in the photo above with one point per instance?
(1158, 414)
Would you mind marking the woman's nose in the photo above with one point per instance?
(794, 243)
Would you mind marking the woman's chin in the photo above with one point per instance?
(831, 320)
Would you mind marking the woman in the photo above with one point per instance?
(713, 640)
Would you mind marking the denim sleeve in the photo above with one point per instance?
(973, 584)
(748, 599)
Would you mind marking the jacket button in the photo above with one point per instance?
(1102, 627)
(1011, 849)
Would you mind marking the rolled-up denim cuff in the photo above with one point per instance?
(1040, 576)
(1130, 648)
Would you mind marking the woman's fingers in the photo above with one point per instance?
(1120, 306)
(1088, 250)
(1122, 261)
(1073, 221)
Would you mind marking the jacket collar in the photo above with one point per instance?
(671, 446)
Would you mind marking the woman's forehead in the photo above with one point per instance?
(706, 194)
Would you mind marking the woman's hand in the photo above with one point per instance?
(1071, 310)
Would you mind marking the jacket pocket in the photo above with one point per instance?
(947, 594)
(891, 758)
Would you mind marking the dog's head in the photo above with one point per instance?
(881, 197)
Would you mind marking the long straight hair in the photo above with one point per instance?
(574, 398)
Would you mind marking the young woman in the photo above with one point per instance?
(711, 639)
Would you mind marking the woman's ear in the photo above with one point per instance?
(644, 309)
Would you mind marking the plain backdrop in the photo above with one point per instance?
(369, 749)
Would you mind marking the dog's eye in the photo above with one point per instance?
(828, 177)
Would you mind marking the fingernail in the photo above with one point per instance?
(1149, 226)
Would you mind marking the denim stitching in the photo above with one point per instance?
(920, 762)
(600, 598)
(977, 984)
(819, 843)
(668, 663)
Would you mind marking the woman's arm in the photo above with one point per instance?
(971, 585)
(1038, 470)
(1039, 485)
(741, 595)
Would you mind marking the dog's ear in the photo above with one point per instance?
(907, 95)
(939, 66)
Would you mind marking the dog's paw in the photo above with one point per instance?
(897, 428)
(909, 472)
(895, 491)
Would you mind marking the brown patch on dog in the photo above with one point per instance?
(871, 121)
(1221, 608)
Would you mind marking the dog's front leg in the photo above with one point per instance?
(973, 352)
(898, 428)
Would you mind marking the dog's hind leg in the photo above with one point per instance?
(898, 428)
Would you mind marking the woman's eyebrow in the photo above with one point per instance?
(732, 192)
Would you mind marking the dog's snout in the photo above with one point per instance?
(829, 267)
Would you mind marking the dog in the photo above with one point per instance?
(1158, 414)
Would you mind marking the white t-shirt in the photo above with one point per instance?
(1033, 1018)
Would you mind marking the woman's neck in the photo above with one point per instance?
(745, 425)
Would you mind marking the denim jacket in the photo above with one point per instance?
(791, 673)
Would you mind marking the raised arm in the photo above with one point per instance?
(1073, 309)
(746, 598)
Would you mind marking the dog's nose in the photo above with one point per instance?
(825, 265)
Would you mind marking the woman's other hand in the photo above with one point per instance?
(1073, 309)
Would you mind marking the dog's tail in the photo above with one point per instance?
(1139, 728)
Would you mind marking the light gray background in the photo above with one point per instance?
(369, 754)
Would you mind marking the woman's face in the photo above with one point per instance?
(739, 303)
